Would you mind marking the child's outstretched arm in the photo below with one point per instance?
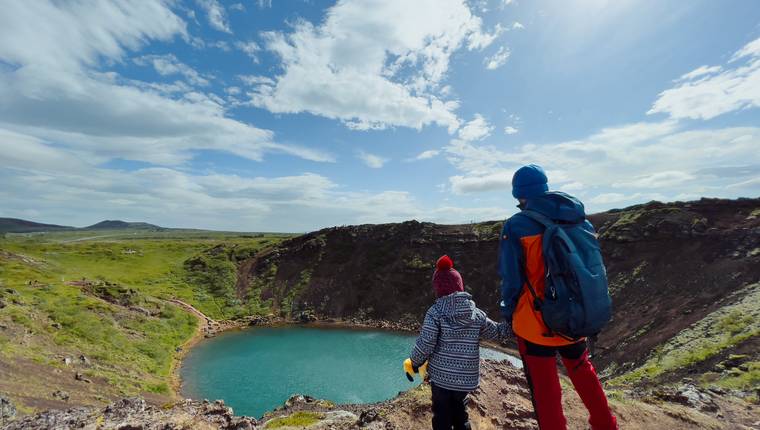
(490, 330)
(426, 341)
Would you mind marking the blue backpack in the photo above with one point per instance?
(576, 299)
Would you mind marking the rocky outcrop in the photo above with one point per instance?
(501, 402)
(7, 410)
(136, 414)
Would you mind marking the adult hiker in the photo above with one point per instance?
(554, 293)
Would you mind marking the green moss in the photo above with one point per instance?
(717, 332)
(160, 388)
(734, 322)
(417, 263)
(628, 218)
(745, 377)
(487, 230)
(298, 419)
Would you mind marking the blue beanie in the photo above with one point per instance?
(529, 181)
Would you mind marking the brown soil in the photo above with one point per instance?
(503, 402)
(32, 384)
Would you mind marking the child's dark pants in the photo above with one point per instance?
(449, 409)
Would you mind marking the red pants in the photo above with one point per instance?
(540, 365)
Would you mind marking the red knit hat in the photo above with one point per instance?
(446, 280)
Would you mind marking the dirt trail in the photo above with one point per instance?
(205, 320)
(205, 324)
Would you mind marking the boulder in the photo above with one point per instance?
(61, 395)
(688, 395)
(367, 416)
(80, 377)
(7, 410)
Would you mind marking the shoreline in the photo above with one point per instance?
(208, 328)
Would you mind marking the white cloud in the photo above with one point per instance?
(606, 199)
(64, 37)
(100, 114)
(510, 130)
(666, 179)
(238, 7)
(168, 64)
(372, 160)
(430, 153)
(752, 49)
(700, 71)
(491, 182)
(373, 70)
(62, 183)
(221, 44)
(249, 48)
(632, 157)
(707, 92)
(498, 59)
(477, 129)
(217, 16)
(253, 80)
(517, 26)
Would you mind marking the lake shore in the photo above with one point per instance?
(208, 328)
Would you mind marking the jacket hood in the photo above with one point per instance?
(458, 308)
(558, 206)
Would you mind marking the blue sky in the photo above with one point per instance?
(296, 115)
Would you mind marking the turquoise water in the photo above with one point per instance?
(256, 370)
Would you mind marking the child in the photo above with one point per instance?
(450, 342)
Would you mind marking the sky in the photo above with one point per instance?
(258, 115)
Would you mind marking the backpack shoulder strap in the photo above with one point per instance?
(546, 222)
(538, 217)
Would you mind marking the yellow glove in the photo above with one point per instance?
(410, 370)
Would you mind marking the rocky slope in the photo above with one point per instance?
(671, 265)
(502, 402)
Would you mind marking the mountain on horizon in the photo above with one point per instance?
(119, 225)
(16, 225)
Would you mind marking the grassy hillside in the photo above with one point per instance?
(67, 294)
(15, 225)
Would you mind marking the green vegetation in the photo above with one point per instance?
(103, 295)
(743, 377)
(298, 419)
(488, 230)
(416, 262)
(718, 331)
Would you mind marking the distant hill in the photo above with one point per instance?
(15, 225)
(120, 225)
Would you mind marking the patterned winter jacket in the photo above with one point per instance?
(450, 342)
